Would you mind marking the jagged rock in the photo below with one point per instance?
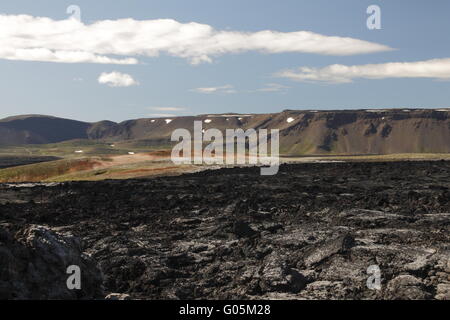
(179, 260)
(243, 230)
(443, 291)
(422, 263)
(118, 296)
(309, 275)
(310, 220)
(329, 248)
(276, 276)
(324, 290)
(407, 287)
(186, 221)
(35, 261)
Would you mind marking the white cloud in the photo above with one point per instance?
(273, 87)
(160, 115)
(337, 73)
(117, 79)
(222, 89)
(29, 38)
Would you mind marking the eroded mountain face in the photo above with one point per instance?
(301, 132)
(312, 231)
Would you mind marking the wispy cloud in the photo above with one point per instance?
(29, 38)
(161, 115)
(117, 79)
(273, 87)
(221, 89)
(166, 112)
(337, 73)
(167, 108)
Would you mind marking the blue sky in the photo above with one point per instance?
(246, 81)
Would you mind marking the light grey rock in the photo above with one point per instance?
(443, 291)
(34, 264)
(118, 296)
(407, 287)
(276, 276)
(329, 248)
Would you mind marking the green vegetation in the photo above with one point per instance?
(101, 160)
(71, 163)
(67, 149)
(84, 160)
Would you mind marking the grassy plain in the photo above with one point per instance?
(133, 159)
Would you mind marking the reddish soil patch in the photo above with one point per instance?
(148, 170)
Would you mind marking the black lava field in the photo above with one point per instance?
(309, 232)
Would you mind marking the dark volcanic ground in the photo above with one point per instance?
(15, 161)
(309, 232)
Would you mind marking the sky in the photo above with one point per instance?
(139, 58)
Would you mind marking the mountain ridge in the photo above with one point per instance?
(363, 131)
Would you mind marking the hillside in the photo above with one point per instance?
(301, 132)
(38, 129)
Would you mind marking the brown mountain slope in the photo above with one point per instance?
(37, 129)
(301, 132)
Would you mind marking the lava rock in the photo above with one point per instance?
(443, 291)
(340, 244)
(118, 296)
(327, 222)
(34, 264)
(243, 230)
(277, 276)
(407, 287)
